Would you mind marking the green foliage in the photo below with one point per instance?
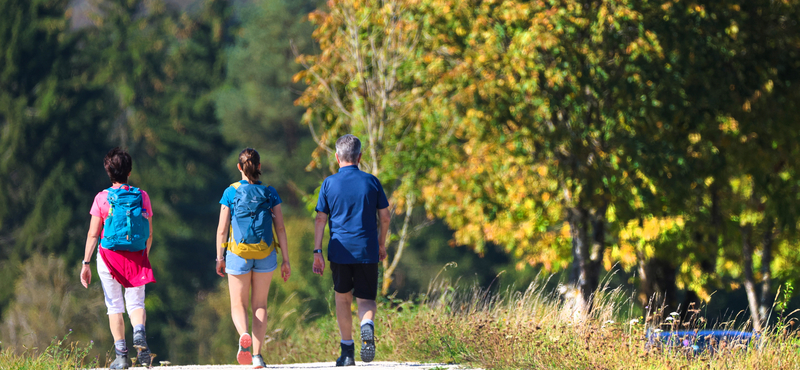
(785, 296)
(49, 300)
(659, 137)
(48, 114)
(60, 354)
(161, 69)
(255, 103)
(532, 329)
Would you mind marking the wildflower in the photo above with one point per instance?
(669, 319)
(657, 331)
(634, 321)
(609, 322)
(674, 314)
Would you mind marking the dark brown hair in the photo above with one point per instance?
(249, 160)
(118, 165)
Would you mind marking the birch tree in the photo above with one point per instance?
(358, 84)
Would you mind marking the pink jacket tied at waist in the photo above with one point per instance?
(131, 269)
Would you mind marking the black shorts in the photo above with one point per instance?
(361, 278)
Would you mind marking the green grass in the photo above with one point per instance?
(533, 329)
(59, 355)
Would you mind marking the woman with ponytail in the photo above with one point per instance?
(245, 230)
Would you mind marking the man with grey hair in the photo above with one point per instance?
(350, 202)
(348, 149)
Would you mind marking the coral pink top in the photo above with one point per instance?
(131, 269)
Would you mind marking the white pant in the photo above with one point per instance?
(112, 290)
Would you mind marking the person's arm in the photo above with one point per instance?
(385, 218)
(319, 232)
(95, 225)
(222, 237)
(150, 239)
(280, 229)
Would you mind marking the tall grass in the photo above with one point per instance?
(537, 328)
(534, 328)
(61, 354)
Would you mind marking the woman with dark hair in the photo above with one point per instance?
(247, 213)
(123, 217)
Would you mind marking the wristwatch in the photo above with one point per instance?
(317, 250)
(87, 262)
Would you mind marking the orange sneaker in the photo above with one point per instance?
(244, 357)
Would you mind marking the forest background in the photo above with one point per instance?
(650, 144)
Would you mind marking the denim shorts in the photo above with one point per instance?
(236, 265)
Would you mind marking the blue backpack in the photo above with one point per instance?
(125, 227)
(251, 220)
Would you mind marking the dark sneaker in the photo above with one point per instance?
(121, 362)
(258, 362)
(367, 343)
(143, 351)
(348, 355)
(244, 357)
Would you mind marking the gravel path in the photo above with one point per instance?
(378, 365)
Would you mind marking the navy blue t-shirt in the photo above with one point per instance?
(352, 198)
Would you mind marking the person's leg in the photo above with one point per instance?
(343, 286)
(365, 290)
(138, 317)
(117, 324)
(239, 286)
(240, 273)
(366, 309)
(344, 314)
(134, 302)
(112, 294)
(261, 282)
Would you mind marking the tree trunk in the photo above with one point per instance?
(766, 271)
(657, 284)
(581, 263)
(596, 253)
(389, 270)
(749, 279)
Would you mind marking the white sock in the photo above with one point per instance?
(348, 342)
(367, 321)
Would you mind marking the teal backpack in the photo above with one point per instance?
(252, 214)
(125, 228)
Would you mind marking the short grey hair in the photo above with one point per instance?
(348, 147)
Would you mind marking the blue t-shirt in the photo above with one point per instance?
(230, 193)
(352, 198)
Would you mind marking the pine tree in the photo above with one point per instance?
(50, 143)
(256, 103)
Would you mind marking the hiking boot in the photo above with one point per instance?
(121, 362)
(244, 357)
(142, 350)
(258, 362)
(367, 343)
(348, 355)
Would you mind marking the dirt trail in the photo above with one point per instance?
(378, 365)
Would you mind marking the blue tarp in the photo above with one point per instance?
(702, 339)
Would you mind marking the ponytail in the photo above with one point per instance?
(249, 161)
